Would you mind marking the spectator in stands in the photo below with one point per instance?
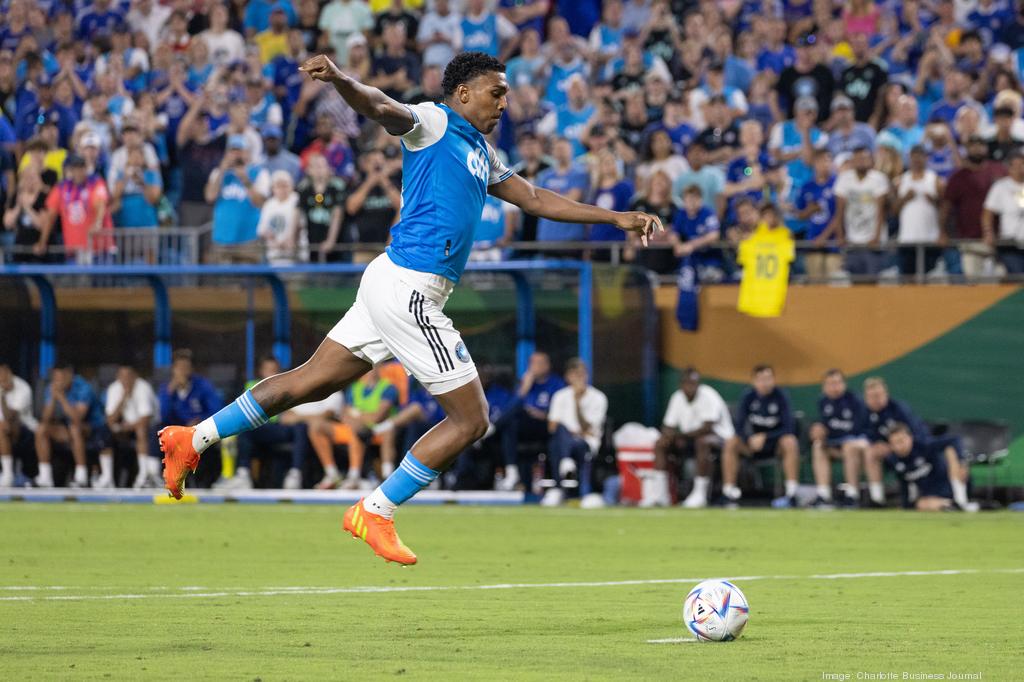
(532, 163)
(322, 198)
(17, 423)
(485, 31)
(525, 14)
(708, 177)
(765, 428)
(656, 199)
(148, 18)
(963, 203)
(721, 137)
(277, 156)
(374, 203)
(806, 77)
(1003, 142)
(186, 398)
(933, 471)
(576, 423)
(567, 179)
(696, 420)
(1003, 200)
(395, 68)
(25, 215)
(131, 409)
(72, 417)
(200, 154)
(440, 34)
(862, 80)
(395, 12)
(497, 227)
(238, 189)
(135, 193)
(259, 442)
(917, 204)
(45, 110)
(333, 145)
(565, 58)
(82, 204)
(526, 418)
(884, 413)
(610, 191)
(695, 231)
(955, 87)
(861, 193)
(747, 218)
(746, 172)
(816, 206)
(280, 226)
(100, 20)
(273, 41)
(570, 120)
(846, 133)
(428, 89)
(661, 155)
(838, 433)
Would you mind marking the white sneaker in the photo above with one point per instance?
(103, 483)
(509, 482)
(141, 480)
(7, 481)
(592, 501)
(553, 497)
(44, 481)
(351, 483)
(695, 500)
(328, 482)
(293, 480)
(240, 481)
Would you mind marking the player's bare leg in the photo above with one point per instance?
(873, 472)
(331, 368)
(698, 497)
(789, 451)
(731, 468)
(854, 453)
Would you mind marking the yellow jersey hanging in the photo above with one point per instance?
(765, 257)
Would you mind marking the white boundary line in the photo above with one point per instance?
(193, 592)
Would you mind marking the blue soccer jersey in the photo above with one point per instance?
(844, 417)
(925, 467)
(824, 196)
(691, 227)
(880, 423)
(447, 166)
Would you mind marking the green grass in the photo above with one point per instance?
(799, 628)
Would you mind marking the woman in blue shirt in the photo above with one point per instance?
(612, 192)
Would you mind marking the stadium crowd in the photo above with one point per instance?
(872, 126)
(549, 435)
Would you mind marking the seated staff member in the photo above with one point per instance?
(838, 433)
(933, 471)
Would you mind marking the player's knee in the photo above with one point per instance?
(474, 425)
(789, 444)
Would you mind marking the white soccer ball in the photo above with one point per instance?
(715, 611)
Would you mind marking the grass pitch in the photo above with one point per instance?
(271, 593)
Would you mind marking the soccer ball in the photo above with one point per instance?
(715, 611)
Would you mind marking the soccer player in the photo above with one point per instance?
(936, 478)
(766, 429)
(448, 169)
(883, 414)
(838, 433)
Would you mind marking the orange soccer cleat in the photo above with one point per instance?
(179, 457)
(379, 533)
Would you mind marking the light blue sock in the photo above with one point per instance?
(409, 478)
(242, 415)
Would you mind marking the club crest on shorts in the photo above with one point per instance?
(461, 352)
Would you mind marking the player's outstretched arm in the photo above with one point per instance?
(547, 204)
(366, 100)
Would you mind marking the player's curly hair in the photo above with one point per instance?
(467, 66)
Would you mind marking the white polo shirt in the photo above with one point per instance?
(707, 406)
(19, 401)
(593, 407)
(141, 403)
(1006, 200)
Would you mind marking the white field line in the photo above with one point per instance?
(195, 592)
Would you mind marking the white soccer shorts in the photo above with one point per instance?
(399, 313)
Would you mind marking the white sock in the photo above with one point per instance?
(732, 492)
(386, 469)
(700, 485)
(959, 492)
(143, 460)
(7, 465)
(877, 493)
(156, 467)
(791, 488)
(512, 471)
(242, 472)
(45, 472)
(107, 467)
(378, 503)
(331, 471)
(353, 473)
(848, 490)
(81, 474)
(825, 492)
(205, 435)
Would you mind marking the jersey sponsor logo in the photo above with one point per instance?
(476, 161)
(461, 352)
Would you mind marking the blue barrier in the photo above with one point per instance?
(157, 277)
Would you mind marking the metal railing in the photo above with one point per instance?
(193, 246)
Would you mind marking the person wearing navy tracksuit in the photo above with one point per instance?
(838, 433)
